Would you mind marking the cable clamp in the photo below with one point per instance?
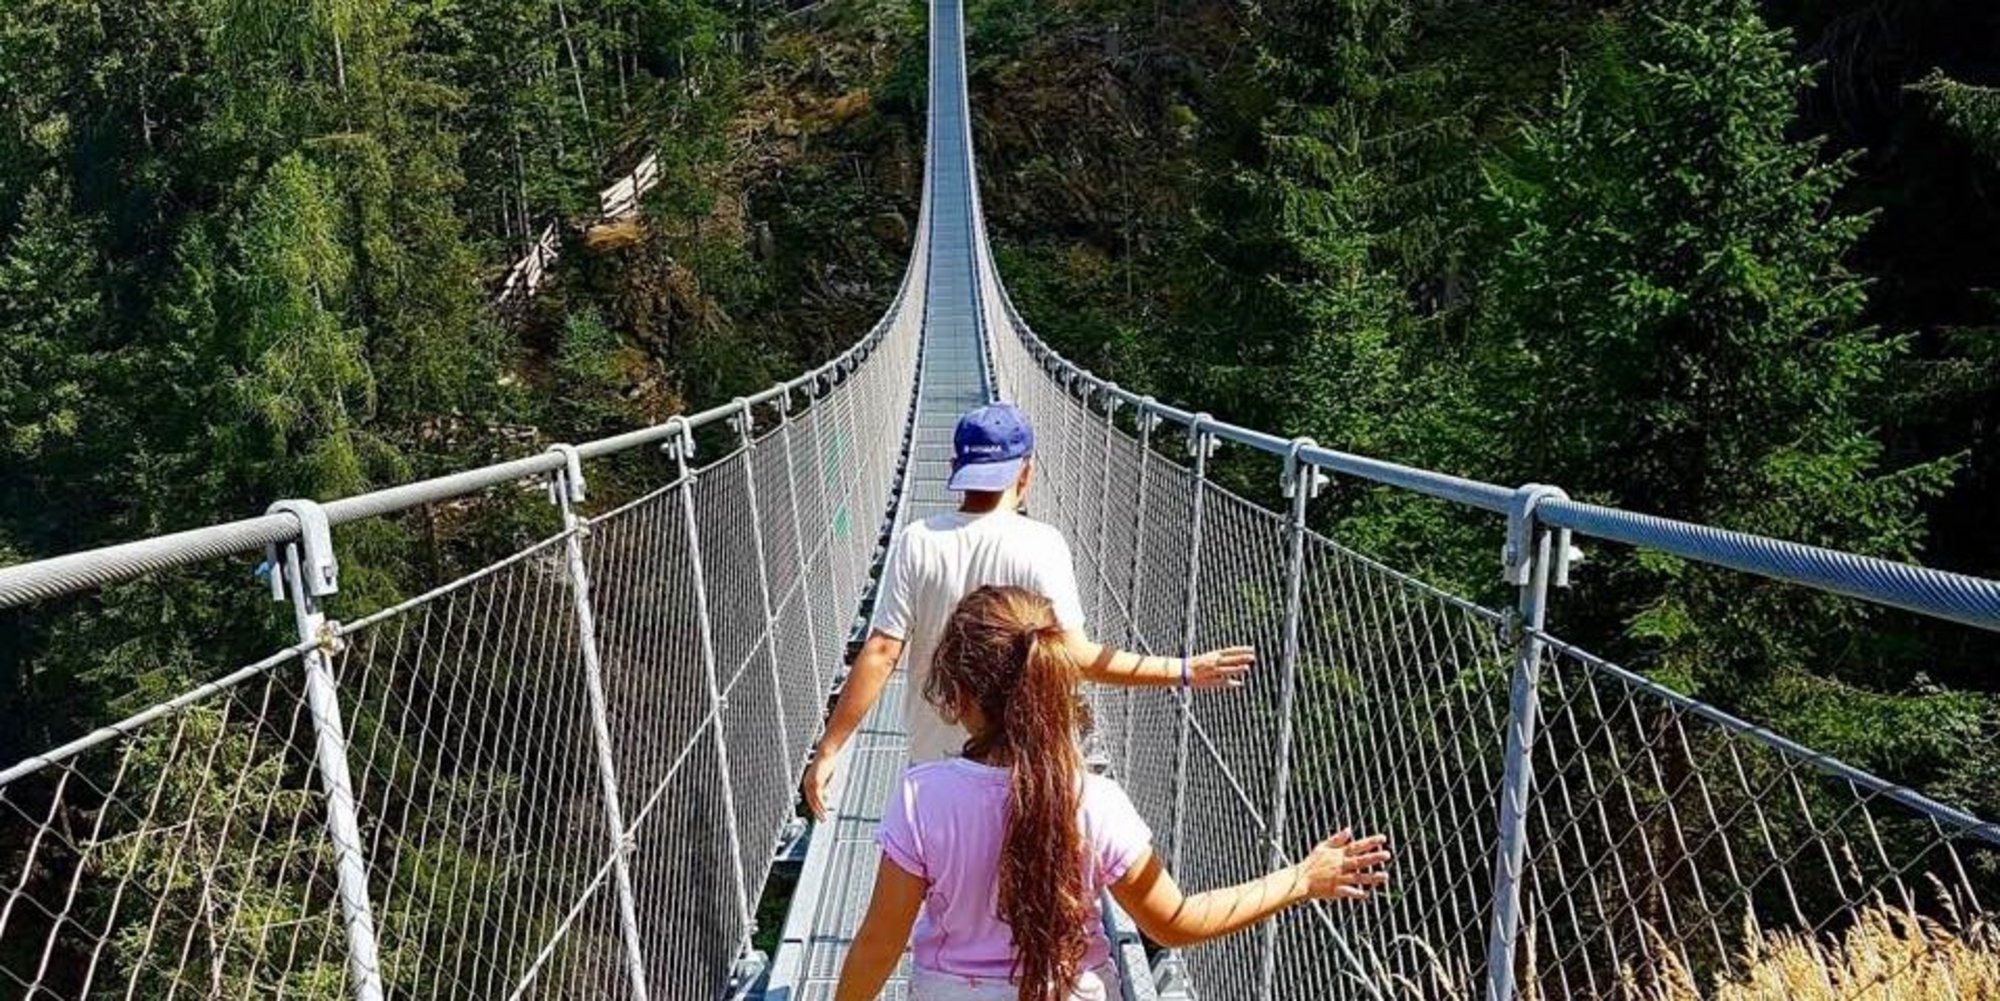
(1149, 414)
(567, 482)
(1201, 441)
(1297, 469)
(1517, 557)
(1108, 393)
(318, 569)
(680, 438)
(328, 640)
(743, 420)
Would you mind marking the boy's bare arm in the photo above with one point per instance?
(865, 681)
(1224, 668)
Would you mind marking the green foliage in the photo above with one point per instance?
(306, 384)
(52, 326)
(1971, 111)
(247, 251)
(205, 772)
(1671, 294)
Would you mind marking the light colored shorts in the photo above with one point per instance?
(930, 985)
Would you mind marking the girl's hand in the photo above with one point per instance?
(1342, 868)
(1224, 668)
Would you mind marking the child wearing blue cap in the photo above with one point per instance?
(986, 542)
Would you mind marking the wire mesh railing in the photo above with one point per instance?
(560, 775)
(1564, 827)
(1672, 846)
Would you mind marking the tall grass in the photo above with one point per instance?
(1889, 953)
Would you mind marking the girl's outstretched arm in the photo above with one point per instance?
(885, 931)
(1341, 868)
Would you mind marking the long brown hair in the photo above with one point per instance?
(1003, 653)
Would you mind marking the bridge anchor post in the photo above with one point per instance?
(566, 490)
(305, 571)
(1534, 556)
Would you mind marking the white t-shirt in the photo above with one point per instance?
(936, 562)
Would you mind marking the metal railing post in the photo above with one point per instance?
(1100, 580)
(799, 548)
(1148, 419)
(1302, 482)
(1201, 445)
(307, 569)
(850, 486)
(681, 447)
(1532, 555)
(823, 384)
(566, 489)
(1101, 571)
(746, 431)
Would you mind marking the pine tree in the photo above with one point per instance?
(1971, 111)
(1675, 329)
(1309, 323)
(52, 328)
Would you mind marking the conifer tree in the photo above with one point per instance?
(1674, 327)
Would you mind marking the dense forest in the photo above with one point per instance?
(247, 255)
(1725, 260)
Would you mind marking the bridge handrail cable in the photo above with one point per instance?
(1941, 594)
(52, 577)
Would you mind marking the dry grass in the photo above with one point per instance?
(1888, 954)
(613, 235)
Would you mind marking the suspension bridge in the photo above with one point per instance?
(569, 771)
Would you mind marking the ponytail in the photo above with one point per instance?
(1044, 897)
(1004, 654)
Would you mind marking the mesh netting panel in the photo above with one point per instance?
(184, 858)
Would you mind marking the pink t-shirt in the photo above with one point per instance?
(944, 823)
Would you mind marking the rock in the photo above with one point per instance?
(848, 107)
(890, 228)
(613, 235)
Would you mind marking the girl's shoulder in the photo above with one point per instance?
(1113, 825)
(1103, 795)
(1098, 786)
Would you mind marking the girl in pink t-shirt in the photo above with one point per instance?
(996, 859)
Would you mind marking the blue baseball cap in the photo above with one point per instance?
(989, 448)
